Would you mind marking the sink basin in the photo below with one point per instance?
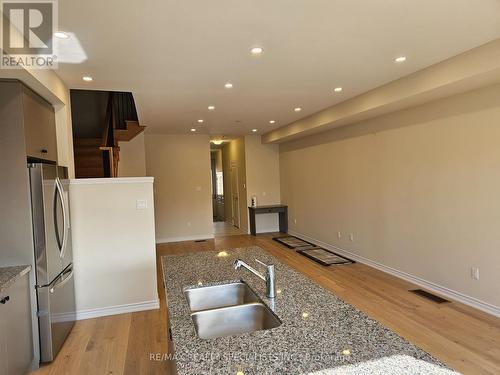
(211, 297)
(234, 320)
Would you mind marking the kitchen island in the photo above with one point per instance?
(319, 334)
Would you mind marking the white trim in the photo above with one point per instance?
(266, 230)
(195, 237)
(112, 180)
(446, 292)
(120, 309)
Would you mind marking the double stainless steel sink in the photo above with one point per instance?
(228, 309)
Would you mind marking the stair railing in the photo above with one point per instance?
(109, 147)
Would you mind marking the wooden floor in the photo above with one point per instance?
(463, 338)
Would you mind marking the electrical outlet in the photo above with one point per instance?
(141, 204)
(339, 235)
(295, 221)
(351, 237)
(188, 224)
(474, 273)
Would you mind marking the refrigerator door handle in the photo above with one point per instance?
(49, 285)
(59, 280)
(62, 246)
(63, 280)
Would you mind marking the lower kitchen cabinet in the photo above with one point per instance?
(16, 338)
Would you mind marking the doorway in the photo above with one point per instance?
(217, 174)
(225, 190)
(235, 196)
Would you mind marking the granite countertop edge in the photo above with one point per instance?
(9, 275)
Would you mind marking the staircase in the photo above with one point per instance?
(88, 158)
(97, 155)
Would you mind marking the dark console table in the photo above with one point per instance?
(280, 209)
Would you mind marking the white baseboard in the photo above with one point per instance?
(195, 237)
(267, 230)
(444, 291)
(120, 309)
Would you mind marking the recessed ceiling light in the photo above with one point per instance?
(211, 107)
(254, 130)
(200, 120)
(61, 35)
(298, 109)
(400, 59)
(257, 50)
(217, 141)
(193, 129)
(272, 121)
(87, 78)
(228, 85)
(337, 89)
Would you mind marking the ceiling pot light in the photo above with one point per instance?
(228, 85)
(217, 141)
(200, 121)
(193, 129)
(337, 89)
(254, 130)
(211, 107)
(272, 122)
(257, 50)
(87, 78)
(400, 59)
(61, 35)
(298, 109)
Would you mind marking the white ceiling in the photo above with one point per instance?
(175, 56)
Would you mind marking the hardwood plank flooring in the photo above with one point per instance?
(466, 339)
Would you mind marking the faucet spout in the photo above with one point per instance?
(269, 278)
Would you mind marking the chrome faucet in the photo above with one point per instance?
(269, 278)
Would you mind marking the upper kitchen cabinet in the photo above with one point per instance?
(39, 126)
(33, 114)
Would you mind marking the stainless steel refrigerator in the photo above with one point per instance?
(53, 256)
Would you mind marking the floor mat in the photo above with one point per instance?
(324, 257)
(312, 251)
(292, 242)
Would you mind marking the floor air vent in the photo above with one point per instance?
(200, 241)
(430, 296)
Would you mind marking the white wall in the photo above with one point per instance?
(263, 180)
(180, 165)
(113, 246)
(132, 157)
(419, 190)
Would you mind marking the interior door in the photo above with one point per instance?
(235, 196)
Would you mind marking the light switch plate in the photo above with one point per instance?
(141, 204)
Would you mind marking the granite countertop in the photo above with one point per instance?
(9, 275)
(319, 334)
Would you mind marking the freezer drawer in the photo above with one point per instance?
(56, 313)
